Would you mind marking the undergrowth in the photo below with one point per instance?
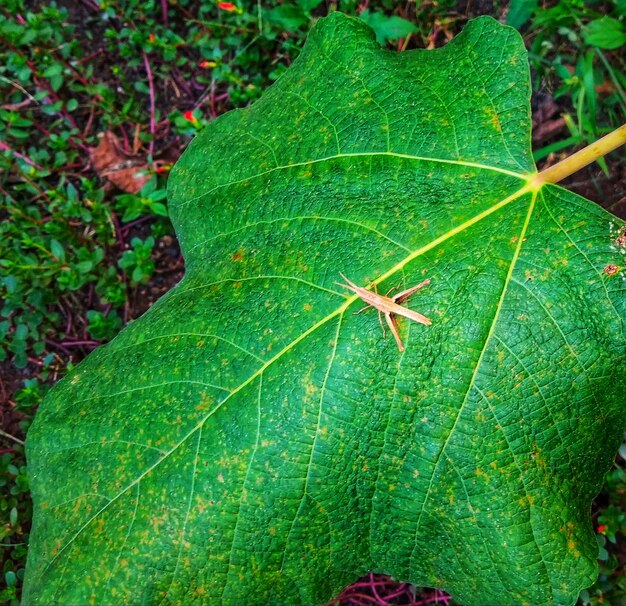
(98, 100)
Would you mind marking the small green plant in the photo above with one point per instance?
(103, 327)
(15, 515)
(138, 262)
(149, 201)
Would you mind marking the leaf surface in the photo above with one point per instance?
(250, 440)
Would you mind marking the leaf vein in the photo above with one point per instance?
(305, 492)
(299, 218)
(191, 334)
(540, 390)
(340, 310)
(245, 481)
(500, 426)
(184, 528)
(155, 385)
(477, 366)
(522, 176)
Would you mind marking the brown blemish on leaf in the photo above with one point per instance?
(237, 257)
(611, 269)
(538, 457)
(204, 404)
(99, 526)
(494, 121)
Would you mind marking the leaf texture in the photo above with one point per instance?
(251, 441)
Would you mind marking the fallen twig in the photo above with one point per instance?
(5, 147)
(8, 435)
(152, 105)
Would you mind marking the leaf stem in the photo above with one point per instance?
(580, 159)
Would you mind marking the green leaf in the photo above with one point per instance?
(159, 209)
(56, 82)
(56, 69)
(520, 11)
(308, 5)
(10, 578)
(288, 17)
(606, 32)
(387, 28)
(84, 267)
(250, 440)
(57, 249)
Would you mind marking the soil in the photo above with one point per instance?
(169, 272)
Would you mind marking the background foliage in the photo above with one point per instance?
(98, 98)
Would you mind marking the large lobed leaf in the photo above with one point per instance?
(250, 440)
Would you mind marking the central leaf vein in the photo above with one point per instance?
(340, 310)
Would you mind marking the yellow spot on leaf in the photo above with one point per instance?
(493, 121)
(479, 473)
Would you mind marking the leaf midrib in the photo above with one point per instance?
(528, 187)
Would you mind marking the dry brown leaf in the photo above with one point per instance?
(547, 121)
(126, 171)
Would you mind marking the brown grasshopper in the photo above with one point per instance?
(389, 306)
